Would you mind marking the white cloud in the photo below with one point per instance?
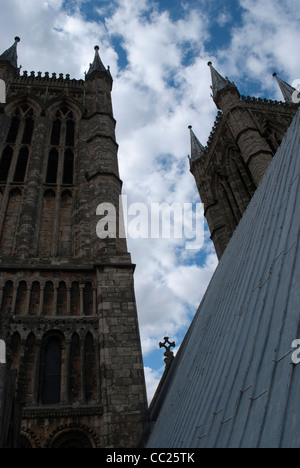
(152, 378)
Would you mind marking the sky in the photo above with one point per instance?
(158, 51)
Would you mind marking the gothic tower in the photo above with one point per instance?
(245, 137)
(68, 311)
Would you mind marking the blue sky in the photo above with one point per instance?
(158, 53)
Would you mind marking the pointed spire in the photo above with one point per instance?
(97, 65)
(287, 90)
(219, 83)
(197, 149)
(10, 55)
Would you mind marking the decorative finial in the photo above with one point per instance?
(289, 93)
(209, 64)
(96, 47)
(190, 127)
(169, 354)
(17, 39)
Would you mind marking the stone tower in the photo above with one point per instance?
(245, 137)
(68, 311)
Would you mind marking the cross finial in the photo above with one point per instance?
(168, 353)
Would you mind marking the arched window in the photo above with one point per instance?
(7, 296)
(88, 299)
(72, 439)
(51, 371)
(21, 165)
(68, 168)
(15, 346)
(75, 299)
(52, 167)
(48, 299)
(70, 132)
(13, 130)
(63, 138)
(28, 131)
(55, 133)
(21, 298)
(5, 163)
(34, 304)
(75, 370)
(61, 299)
(90, 368)
(11, 222)
(29, 367)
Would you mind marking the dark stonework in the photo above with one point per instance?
(73, 337)
(245, 137)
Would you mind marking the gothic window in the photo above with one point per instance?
(90, 368)
(75, 299)
(13, 130)
(63, 138)
(7, 296)
(15, 346)
(21, 165)
(5, 163)
(75, 369)
(51, 371)
(52, 167)
(20, 133)
(72, 439)
(34, 303)
(11, 222)
(88, 299)
(48, 298)
(68, 167)
(28, 128)
(62, 299)
(55, 133)
(21, 298)
(29, 366)
(70, 131)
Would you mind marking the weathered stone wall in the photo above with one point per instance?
(244, 139)
(62, 289)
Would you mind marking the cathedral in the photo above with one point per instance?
(73, 375)
(68, 312)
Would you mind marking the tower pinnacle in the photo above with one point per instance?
(97, 65)
(286, 89)
(219, 83)
(10, 55)
(197, 149)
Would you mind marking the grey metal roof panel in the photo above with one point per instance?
(233, 383)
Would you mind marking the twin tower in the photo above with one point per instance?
(67, 304)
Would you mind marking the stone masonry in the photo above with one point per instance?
(66, 296)
(244, 139)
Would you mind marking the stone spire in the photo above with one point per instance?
(10, 55)
(219, 83)
(197, 149)
(97, 65)
(287, 90)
